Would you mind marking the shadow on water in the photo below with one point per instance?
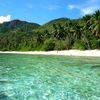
(96, 66)
(3, 96)
(4, 82)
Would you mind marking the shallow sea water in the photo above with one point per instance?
(44, 77)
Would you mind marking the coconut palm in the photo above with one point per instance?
(59, 32)
(77, 31)
(96, 23)
(86, 30)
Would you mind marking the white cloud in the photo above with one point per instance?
(88, 10)
(71, 7)
(88, 7)
(5, 18)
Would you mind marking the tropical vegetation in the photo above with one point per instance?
(58, 34)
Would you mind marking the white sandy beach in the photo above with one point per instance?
(94, 53)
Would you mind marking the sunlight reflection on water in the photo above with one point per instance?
(39, 77)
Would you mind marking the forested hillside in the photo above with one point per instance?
(58, 34)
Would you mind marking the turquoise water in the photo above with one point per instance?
(41, 77)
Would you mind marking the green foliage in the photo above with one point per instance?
(49, 45)
(58, 34)
(79, 45)
(95, 44)
(62, 45)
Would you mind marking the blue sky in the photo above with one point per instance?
(42, 11)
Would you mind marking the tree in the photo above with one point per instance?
(59, 32)
(96, 23)
(86, 31)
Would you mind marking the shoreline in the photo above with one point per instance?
(90, 53)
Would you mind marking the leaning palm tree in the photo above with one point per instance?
(87, 22)
(96, 23)
(86, 30)
(77, 31)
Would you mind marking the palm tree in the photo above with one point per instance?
(39, 38)
(77, 31)
(69, 34)
(68, 29)
(86, 30)
(55, 30)
(96, 23)
(59, 32)
(46, 35)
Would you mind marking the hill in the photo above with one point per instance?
(49, 25)
(17, 25)
(57, 34)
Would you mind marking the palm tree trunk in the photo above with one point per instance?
(87, 42)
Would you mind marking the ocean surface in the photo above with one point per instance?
(45, 77)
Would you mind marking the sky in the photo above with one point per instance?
(42, 11)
